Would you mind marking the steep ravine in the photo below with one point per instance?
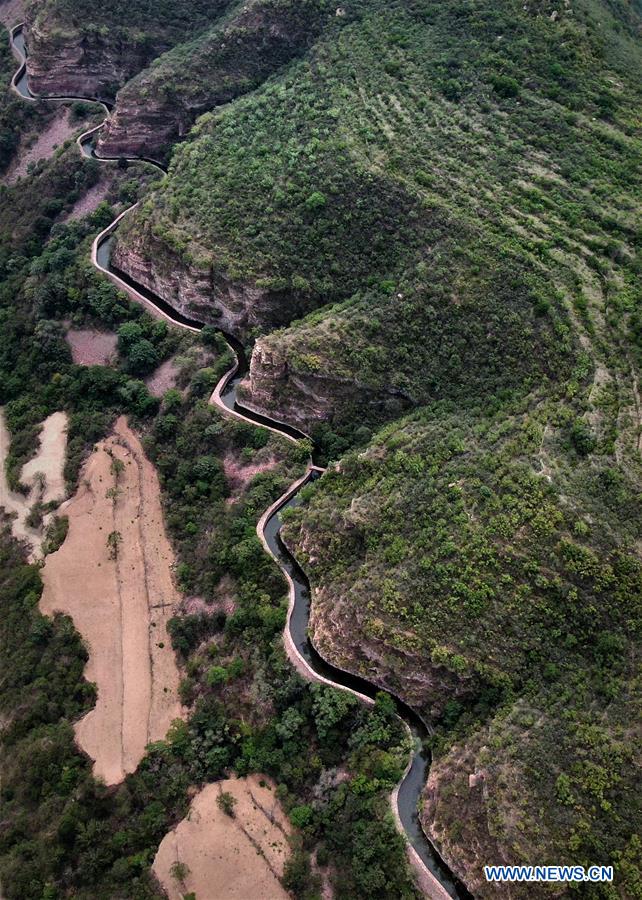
(436, 880)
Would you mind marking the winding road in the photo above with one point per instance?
(435, 879)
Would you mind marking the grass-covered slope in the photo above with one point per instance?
(450, 192)
(486, 568)
(415, 151)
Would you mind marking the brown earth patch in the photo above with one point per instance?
(90, 347)
(89, 201)
(239, 476)
(233, 858)
(59, 129)
(43, 475)
(163, 378)
(120, 603)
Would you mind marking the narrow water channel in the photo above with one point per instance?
(412, 785)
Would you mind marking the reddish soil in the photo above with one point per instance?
(89, 201)
(235, 857)
(162, 379)
(238, 475)
(56, 133)
(91, 348)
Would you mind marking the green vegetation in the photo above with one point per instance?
(472, 542)
(248, 44)
(449, 192)
(65, 833)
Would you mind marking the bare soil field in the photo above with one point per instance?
(49, 461)
(59, 129)
(228, 858)
(43, 474)
(113, 577)
(90, 347)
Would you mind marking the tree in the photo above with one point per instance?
(142, 357)
(114, 539)
(226, 803)
(179, 871)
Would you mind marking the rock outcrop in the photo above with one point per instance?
(64, 63)
(343, 632)
(202, 294)
(159, 106)
(279, 385)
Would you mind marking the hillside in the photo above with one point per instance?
(444, 199)
(249, 43)
(422, 219)
(81, 48)
(486, 569)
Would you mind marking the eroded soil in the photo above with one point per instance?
(120, 594)
(235, 858)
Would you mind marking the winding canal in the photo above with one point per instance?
(438, 881)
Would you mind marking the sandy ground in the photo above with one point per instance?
(56, 133)
(50, 461)
(12, 12)
(90, 347)
(163, 378)
(238, 858)
(120, 606)
(89, 201)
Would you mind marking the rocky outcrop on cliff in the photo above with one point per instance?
(92, 65)
(89, 50)
(344, 633)
(282, 384)
(340, 633)
(160, 106)
(199, 293)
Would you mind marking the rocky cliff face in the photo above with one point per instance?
(139, 127)
(279, 385)
(204, 295)
(160, 106)
(89, 65)
(459, 798)
(342, 634)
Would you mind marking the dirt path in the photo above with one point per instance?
(120, 603)
(50, 462)
(228, 858)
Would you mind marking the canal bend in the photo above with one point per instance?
(441, 882)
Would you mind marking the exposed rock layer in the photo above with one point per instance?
(277, 387)
(160, 106)
(200, 293)
(65, 64)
